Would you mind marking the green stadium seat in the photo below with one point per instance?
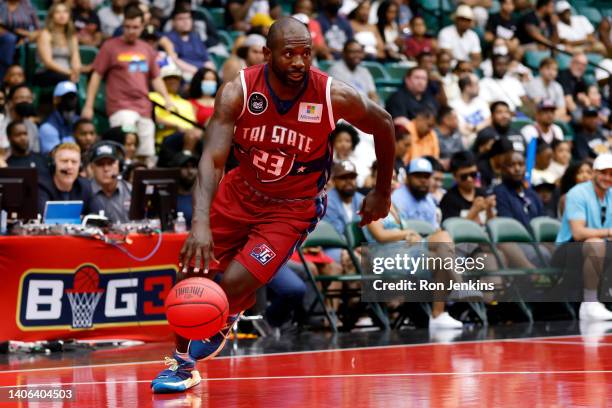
(88, 54)
(422, 228)
(42, 16)
(324, 65)
(377, 70)
(533, 58)
(518, 124)
(325, 236)
(545, 229)
(593, 59)
(592, 14)
(398, 70)
(563, 60)
(217, 16)
(226, 39)
(41, 5)
(568, 131)
(219, 60)
(384, 92)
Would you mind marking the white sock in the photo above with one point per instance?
(590, 295)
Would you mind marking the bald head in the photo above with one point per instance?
(286, 28)
(288, 52)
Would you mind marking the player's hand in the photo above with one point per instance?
(375, 205)
(199, 244)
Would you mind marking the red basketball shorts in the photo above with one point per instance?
(259, 232)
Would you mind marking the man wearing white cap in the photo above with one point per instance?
(575, 31)
(588, 219)
(248, 54)
(460, 39)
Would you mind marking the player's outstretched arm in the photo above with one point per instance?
(219, 134)
(362, 113)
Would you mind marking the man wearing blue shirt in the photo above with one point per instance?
(413, 200)
(58, 128)
(588, 219)
(513, 199)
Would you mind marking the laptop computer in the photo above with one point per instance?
(63, 212)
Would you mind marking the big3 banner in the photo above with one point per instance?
(68, 287)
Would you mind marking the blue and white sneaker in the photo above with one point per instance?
(202, 350)
(179, 377)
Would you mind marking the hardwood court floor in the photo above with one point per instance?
(550, 370)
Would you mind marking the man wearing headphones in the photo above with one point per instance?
(64, 183)
(110, 192)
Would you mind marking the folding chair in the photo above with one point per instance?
(509, 230)
(325, 236)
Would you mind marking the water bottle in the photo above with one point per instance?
(180, 225)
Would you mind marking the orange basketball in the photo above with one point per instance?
(197, 308)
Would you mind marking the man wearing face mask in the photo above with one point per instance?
(58, 127)
(110, 193)
(20, 107)
(64, 183)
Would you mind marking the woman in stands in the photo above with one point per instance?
(58, 48)
(202, 91)
(389, 31)
(575, 174)
(366, 34)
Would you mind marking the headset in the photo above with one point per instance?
(119, 146)
(52, 164)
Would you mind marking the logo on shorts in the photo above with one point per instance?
(263, 254)
(310, 112)
(257, 103)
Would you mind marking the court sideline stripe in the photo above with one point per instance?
(159, 361)
(330, 376)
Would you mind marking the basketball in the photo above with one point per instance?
(197, 308)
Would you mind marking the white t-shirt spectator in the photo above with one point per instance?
(537, 91)
(531, 131)
(360, 78)
(474, 113)
(460, 46)
(579, 29)
(507, 89)
(109, 21)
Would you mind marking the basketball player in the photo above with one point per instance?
(248, 223)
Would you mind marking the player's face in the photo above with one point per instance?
(290, 58)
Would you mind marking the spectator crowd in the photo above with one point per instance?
(500, 107)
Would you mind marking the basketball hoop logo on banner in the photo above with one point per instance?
(84, 296)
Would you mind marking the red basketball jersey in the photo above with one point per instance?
(288, 154)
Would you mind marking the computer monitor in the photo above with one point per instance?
(154, 195)
(19, 192)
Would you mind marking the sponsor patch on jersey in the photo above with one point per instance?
(257, 103)
(310, 112)
(263, 254)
